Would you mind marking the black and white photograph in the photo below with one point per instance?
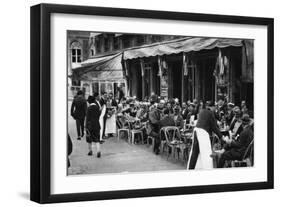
(149, 103)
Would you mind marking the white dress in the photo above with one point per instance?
(111, 124)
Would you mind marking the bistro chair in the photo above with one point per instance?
(172, 139)
(216, 145)
(125, 128)
(248, 157)
(149, 137)
(138, 131)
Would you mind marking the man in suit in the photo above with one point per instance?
(230, 113)
(206, 124)
(78, 112)
(93, 124)
(235, 149)
(165, 121)
(184, 111)
(154, 119)
(221, 110)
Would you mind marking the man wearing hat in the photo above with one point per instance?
(192, 115)
(78, 112)
(154, 121)
(201, 148)
(236, 123)
(235, 149)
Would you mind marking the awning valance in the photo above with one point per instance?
(182, 45)
(102, 68)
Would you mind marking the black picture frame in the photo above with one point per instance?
(41, 95)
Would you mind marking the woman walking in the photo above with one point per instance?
(93, 125)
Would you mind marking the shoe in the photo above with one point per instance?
(90, 153)
(79, 138)
(98, 155)
(102, 141)
(157, 151)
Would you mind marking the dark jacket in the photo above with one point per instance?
(240, 129)
(92, 118)
(184, 113)
(114, 103)
(207, 121)
(166, 121)
(79, 107)
(240, 145)
(229, 117)
(154, 119)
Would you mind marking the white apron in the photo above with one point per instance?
(111, 124)
(103, 109)
(204, 160)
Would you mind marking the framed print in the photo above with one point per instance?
(134, 103)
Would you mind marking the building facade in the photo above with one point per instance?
(170, 66)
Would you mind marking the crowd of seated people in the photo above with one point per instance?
(156, 113)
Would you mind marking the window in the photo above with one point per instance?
(76, 52)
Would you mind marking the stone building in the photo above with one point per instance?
(169, 66)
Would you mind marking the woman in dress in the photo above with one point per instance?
(93, 125)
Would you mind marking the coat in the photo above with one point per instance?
(240, 145)
(92, 118)
(79, 107)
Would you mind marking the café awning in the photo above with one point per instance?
(101, 68)
(183, 45)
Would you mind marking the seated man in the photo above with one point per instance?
(178, 118)
(167, 120)
(236, 125)
(131, 111)
(235, 149)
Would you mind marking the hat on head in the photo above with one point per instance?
(236, 110)
(162, 101)
(231, 104)
(96, 94)
(192, 104)
(211, 103)
(91, 99)
(246, 119)
(80, 92)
